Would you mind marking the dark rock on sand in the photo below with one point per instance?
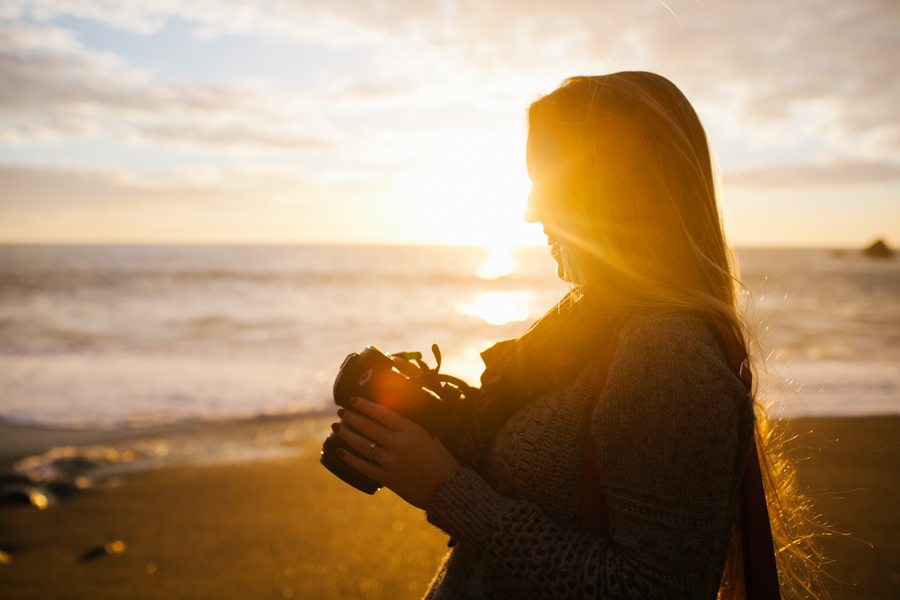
(878, 250)
(95, 552)
(19, 489)
(21, 493)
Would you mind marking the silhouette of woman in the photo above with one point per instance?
(630, 387)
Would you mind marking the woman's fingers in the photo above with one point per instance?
(384, 415)
(410, 462)
(370, 470)
(369, 427)
(354, 440)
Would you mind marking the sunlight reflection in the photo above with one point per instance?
(498, 308)
(116, 547)
(499, 263)
(39, 500)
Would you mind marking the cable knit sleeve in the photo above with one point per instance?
(671, 431)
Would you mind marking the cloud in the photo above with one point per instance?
(54, 87)
(25, 186)
(36, 189)
(809, 71)
(842, 173)
(65, 205)
(127, 16)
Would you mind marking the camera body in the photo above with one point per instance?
(425, 399)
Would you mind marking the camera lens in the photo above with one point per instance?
(330, 460)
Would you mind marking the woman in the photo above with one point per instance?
(627, 381)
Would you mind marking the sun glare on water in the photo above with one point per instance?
(498, 308)
(498, 264)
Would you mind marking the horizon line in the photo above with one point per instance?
(416, 244)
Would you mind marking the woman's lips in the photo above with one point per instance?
(555, 249)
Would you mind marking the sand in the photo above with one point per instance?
(278, 525)
(851, 468)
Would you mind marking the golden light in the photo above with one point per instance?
(498, 264)
(471, 189)
(498, 308)
(38, 500)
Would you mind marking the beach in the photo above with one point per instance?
(275, 524)
(262, 528)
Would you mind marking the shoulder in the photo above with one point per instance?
(677, 348)
(671, 398)
(673, 333)
(676, 355)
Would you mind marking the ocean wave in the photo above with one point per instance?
(127, 336)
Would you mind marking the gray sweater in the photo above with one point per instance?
(672, 430)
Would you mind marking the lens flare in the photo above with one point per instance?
(498, 308)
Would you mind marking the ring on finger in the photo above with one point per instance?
(373, 448)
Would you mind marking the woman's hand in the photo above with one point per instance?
(408, 461)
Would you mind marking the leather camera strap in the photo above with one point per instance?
(594, 512)
(758, 549)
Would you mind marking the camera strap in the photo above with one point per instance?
(448, 387)
(757, 547)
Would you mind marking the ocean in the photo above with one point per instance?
(115, 336)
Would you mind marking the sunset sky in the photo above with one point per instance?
(361, 121)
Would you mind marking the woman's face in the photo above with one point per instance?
(539, 209)
(542, 209)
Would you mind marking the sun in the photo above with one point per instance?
(472, 190)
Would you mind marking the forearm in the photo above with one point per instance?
(525, 553)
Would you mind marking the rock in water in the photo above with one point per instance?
(879, 250)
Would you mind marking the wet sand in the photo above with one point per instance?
(278, 525)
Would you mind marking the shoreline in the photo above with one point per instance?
(21, 440)
(279, 525)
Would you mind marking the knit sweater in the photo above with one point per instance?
(672, 432)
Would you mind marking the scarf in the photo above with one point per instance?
(552, 352)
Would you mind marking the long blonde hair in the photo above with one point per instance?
(625, 161)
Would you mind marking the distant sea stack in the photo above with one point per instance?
(878, 250)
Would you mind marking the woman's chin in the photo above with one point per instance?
(560, 269)
(556, 253)
(561, 272)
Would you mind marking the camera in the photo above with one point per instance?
(425, 396)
